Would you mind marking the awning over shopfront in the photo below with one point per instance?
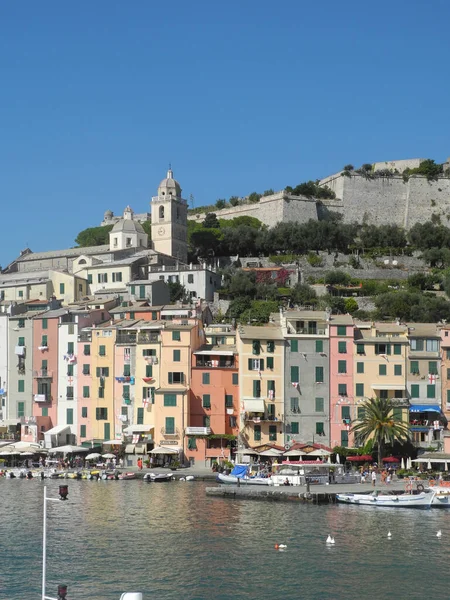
(416, 408)
(387, 386)
(137, 429)
(140, 448)
(129, 449)
(214, 352)
(166, 450)
(254, 405)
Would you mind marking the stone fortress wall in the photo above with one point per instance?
(389, 200)
(279, 207)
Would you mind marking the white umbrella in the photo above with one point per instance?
(402, 465)
(93, 456)
(338, 459)
(320, 452)
(26, 453)
(250, 452)
(446, 465)
(67, 449)
(162, 450)
(271, 452)
(108, 455)
(429, 466)
(409, 463)
(112, 443)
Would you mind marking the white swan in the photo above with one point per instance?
(282, 546)
(332, 541)
(439, 533)
(329, 540)
(389, 534)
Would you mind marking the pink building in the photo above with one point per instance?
(45, 371)
(342, 398)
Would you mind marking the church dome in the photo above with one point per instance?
(169, 186)
(127, 226)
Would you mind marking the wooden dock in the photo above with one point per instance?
(317, 494)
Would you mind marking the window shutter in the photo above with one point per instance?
(250, 364)
(170, 377)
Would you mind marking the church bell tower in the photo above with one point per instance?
(169, 219)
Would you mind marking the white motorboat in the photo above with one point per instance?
(442, 496)
(241, 475)
(421, 500)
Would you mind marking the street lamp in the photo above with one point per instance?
(62, 589)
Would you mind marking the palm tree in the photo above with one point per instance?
(379, 425)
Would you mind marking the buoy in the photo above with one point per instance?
(329, 540)
(439, 533)
(389, 534)
(277, 547)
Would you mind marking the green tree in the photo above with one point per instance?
(268, 192)
(337, 278)
(221, 203)
(234, 201)
(254, 197)
(351, 305)
(177, 292)
(379, 424)
(303, 294)
(211, 221)
(93, 236)
(242, 283)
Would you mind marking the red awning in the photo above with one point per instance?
(363, 458)
(148, 379)
(391, 459)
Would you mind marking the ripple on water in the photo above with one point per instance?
(170, 541)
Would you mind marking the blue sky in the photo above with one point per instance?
(98, 97)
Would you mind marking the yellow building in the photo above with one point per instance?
(179, 338)
(148, 364)
(380, 366)
(102, 394)
(261, 386)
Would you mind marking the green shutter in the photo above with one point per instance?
(228, 401)
(170, 425)
(44, 411)
(342, 330)
(149, 370)
(170, 399)
(431, 391)
(256, 347)
(84, 412)
(448, 396)
(256, 388)
(320, 404)
(319, 375)
(342, 347)
(397, 349)
(106, 431)
(70, 370)
(360, 367)
(86, 393)
(170, 377)
(140, 416)
(69, 418)
(361, 412)
(83, 431)
(257, 433)
(414, 367)
(250, 364)
(20, 409)
(235, 379)
(397, 413)
(345, 413)
(382, 369)
(319, 345)
(21, 341)
(206, 401)
(295, 427)
(102, 350)
(44, 341)
(272, 433)
(397, 369)
(432, 367)
(269, 362)
(271, 346)
(342, 389)
(344, 438)
(295, 374)
(176, 336)
(319, 428)
(176, 356)
(359, 390)
(87, 350)
(126, 370)
(21, 385)
(360, 349)
(342, 366)
(205, 378)
(415, 390)
(69, 347)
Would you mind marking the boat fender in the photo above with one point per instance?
(420, 487)
(409, 487)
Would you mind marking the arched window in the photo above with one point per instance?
(161, 212)
(82, 261)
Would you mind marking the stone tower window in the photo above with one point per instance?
(161, 212)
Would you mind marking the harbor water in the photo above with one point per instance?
(171, 541)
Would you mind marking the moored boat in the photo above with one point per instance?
(240, 475)
(158, 477)
(124, 476)
(420, 500)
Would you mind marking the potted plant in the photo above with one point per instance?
(147, 463)
(215, 466)
(174, 465)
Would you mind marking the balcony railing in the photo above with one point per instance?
(126, 338)
(43, 374)
(147, 338)
(259, 417)
(310, 330)
(203, 363)
(85, 336)
(173, 433)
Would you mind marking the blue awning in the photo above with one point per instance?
(424, 408)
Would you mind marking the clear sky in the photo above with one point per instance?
(96, 98)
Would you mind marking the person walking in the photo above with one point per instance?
(374, 477)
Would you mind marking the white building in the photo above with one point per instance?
(200, 281)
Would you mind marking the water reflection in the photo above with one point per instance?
(170, 541)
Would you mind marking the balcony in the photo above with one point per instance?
(147, 338)
(41, 398)
(85, 336)
(126, 337)
(310, 330)
(43, 374)
(170, 433)
(260, 417)
(198, 430)
(210, 363)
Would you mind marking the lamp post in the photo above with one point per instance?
(62, 589)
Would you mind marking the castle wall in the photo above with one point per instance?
(270, 210)
(390, 200)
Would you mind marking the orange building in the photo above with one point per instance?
(214, 405)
